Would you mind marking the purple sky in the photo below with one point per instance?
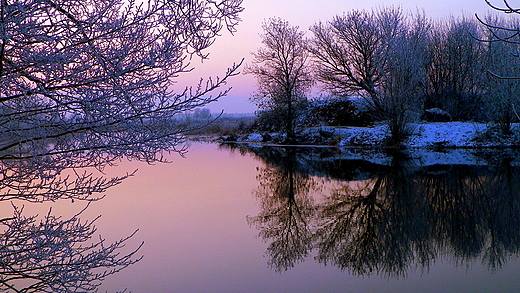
(303, 13)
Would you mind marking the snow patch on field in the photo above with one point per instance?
(447, 134)
(430, 143)
(362, 136)
(254, 137)
(436, 134)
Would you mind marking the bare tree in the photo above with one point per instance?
(502, 37)
(401, 98)
(502, 60)
(455, 69)
(377, 55)
(348, 51)
(282, 71)
(51, 179)
(85, 75)
(52, 254)
(83, 83)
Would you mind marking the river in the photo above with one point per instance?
(302, 220)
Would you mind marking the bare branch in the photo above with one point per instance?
(58, 255)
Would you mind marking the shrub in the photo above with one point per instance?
(338, 112)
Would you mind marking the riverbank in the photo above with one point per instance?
(448, 143)
(424, 135)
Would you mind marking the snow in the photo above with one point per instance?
(432, 143)
(453, 143)
(356, 136)
(425, 135)
(254, 137)
(447, 134)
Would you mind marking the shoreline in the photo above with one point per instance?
(434, 135)
(447, 143)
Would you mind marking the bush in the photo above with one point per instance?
(269, 121)
(224, 126)
(338, 112)
(275, 119)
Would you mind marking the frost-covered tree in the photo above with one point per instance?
(378, 55)
(85, 75)
(503, 93)
(401, 98)
(348, 50)
(84, 82)
(53, 254)
(282, 72)
(503, 40)
(455, 69)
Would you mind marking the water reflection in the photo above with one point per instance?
(387, 219)
(287, 209)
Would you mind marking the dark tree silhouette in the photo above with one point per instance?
(388, 220)
(286, 212)
(282, 72)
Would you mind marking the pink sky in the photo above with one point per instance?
(303, 13)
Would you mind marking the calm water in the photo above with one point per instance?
(303, 220)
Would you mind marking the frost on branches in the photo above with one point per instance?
(85, 82)
(52, 254)
(90, 75)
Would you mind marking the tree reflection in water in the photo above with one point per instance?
(386, 219)
(374, 225)
(286, 211)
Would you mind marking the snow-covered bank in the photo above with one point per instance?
(425, 135)
(431, 135)
(445, 134)
(461, 143)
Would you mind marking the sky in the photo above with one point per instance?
(303, 13)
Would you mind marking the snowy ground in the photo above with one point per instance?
(447, 134)
(431, 143)
(429, 135)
